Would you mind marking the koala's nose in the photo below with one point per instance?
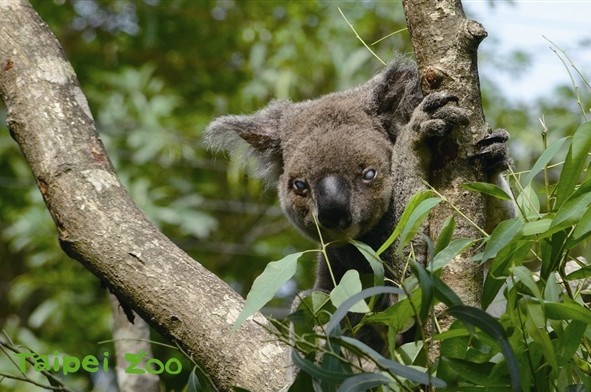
(333, 199)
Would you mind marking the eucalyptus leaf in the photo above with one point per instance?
(504, 233)
(412, 204)
(266, 285)
(574, 163)
(489, 189)
(489, 325)
(342, 310)
(567, 311)
(416, 219)
(349, 285)
(545, 158)
(374, 261)
(364, 382)
(316, 371)
(445, 235)
(394, 367)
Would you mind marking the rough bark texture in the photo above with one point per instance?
(445, 44)
(100, 226)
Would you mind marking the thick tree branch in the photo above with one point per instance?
(445, 44)
(100, 226)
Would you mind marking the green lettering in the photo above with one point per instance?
(90, 364)
(154, 366)
(70, 364)
(41, 363)
(105, 361)
(23, 361)
(56, 362)
(134, 360)
(177, 364)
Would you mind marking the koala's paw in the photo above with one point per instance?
(492, 151)
(437, 115)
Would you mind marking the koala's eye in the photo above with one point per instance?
(300, 187)
(369, 174)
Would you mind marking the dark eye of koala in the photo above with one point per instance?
(300, 187)
(369, 174)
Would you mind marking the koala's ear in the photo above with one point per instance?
(395, 93)
(261, 133)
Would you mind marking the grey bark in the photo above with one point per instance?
(99, 225)
(445, 44)
(131, 338)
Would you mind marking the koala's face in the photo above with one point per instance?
(331, 156)
(338, 176)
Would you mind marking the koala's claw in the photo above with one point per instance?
(437, 100)
(492, 151)
(436, 118)
(497, 136)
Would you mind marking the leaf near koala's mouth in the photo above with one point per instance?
(266, 285)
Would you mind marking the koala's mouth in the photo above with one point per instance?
(349, 233)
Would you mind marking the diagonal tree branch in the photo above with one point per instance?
(100, 226)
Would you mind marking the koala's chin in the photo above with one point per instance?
(332, 235)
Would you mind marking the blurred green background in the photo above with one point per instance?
(155, 73)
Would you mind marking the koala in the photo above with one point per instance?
(345, 164)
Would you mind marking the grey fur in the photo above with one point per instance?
(323, 153)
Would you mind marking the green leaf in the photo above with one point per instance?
(545, 158)
(489, 325)
(487, 189)
(400, 315)
(528, 203)
(414, 201)
(302, 382)
(349, 285)
(536, 227)
(342, 310)
(364, 382)
(452, 250)
(581, 273)
(426, 285)
(474, 373)
(526, 277)
(552, 251)
(374, 261)
(571, 211)
(444, 293)
(504, 233)
(571, 340)
(393, 367)
(583, 225)
(567, 311)
(199, 381)
(536, 326)
(574, 163)
(330, 362)
(445, 235)
(267, 284)
(416, 219)
(316, 371)
(499, 269)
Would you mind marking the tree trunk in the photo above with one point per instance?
(445, 44)
(100, 226)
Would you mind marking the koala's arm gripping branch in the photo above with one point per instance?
(100, 226)
(445, 44)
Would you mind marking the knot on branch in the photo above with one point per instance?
(474, 33)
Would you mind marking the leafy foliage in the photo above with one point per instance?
(156, 72)
(537, 337)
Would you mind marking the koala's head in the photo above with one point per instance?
(330, 157)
